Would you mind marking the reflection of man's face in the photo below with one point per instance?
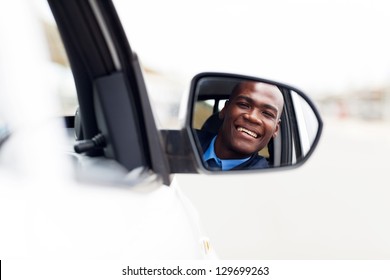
(251, 118)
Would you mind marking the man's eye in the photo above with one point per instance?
(270, 115)
(243, 105)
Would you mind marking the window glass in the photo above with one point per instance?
(307, 122)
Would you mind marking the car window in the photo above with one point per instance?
(308, 123)
(204, 109)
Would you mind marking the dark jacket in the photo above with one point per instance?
(254, 162)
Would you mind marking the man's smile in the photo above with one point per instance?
(247, 131)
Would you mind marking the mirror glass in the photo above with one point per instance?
(245, 123)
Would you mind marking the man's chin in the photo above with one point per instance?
(245, 153)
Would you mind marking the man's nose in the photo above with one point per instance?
(254, 117)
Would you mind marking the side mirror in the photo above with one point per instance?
(253, 123)
(279, 121)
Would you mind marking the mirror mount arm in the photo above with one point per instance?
(179, 151)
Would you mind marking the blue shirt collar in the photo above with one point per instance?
(225, 164)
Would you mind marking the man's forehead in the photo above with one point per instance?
(258, 87)
(263, 89)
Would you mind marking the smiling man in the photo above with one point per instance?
(251, 117)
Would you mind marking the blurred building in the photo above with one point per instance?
(365, 104)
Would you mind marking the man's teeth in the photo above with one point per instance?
(251, 133)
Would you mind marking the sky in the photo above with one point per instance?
(317, 46)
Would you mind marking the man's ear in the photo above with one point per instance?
(276, 132)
